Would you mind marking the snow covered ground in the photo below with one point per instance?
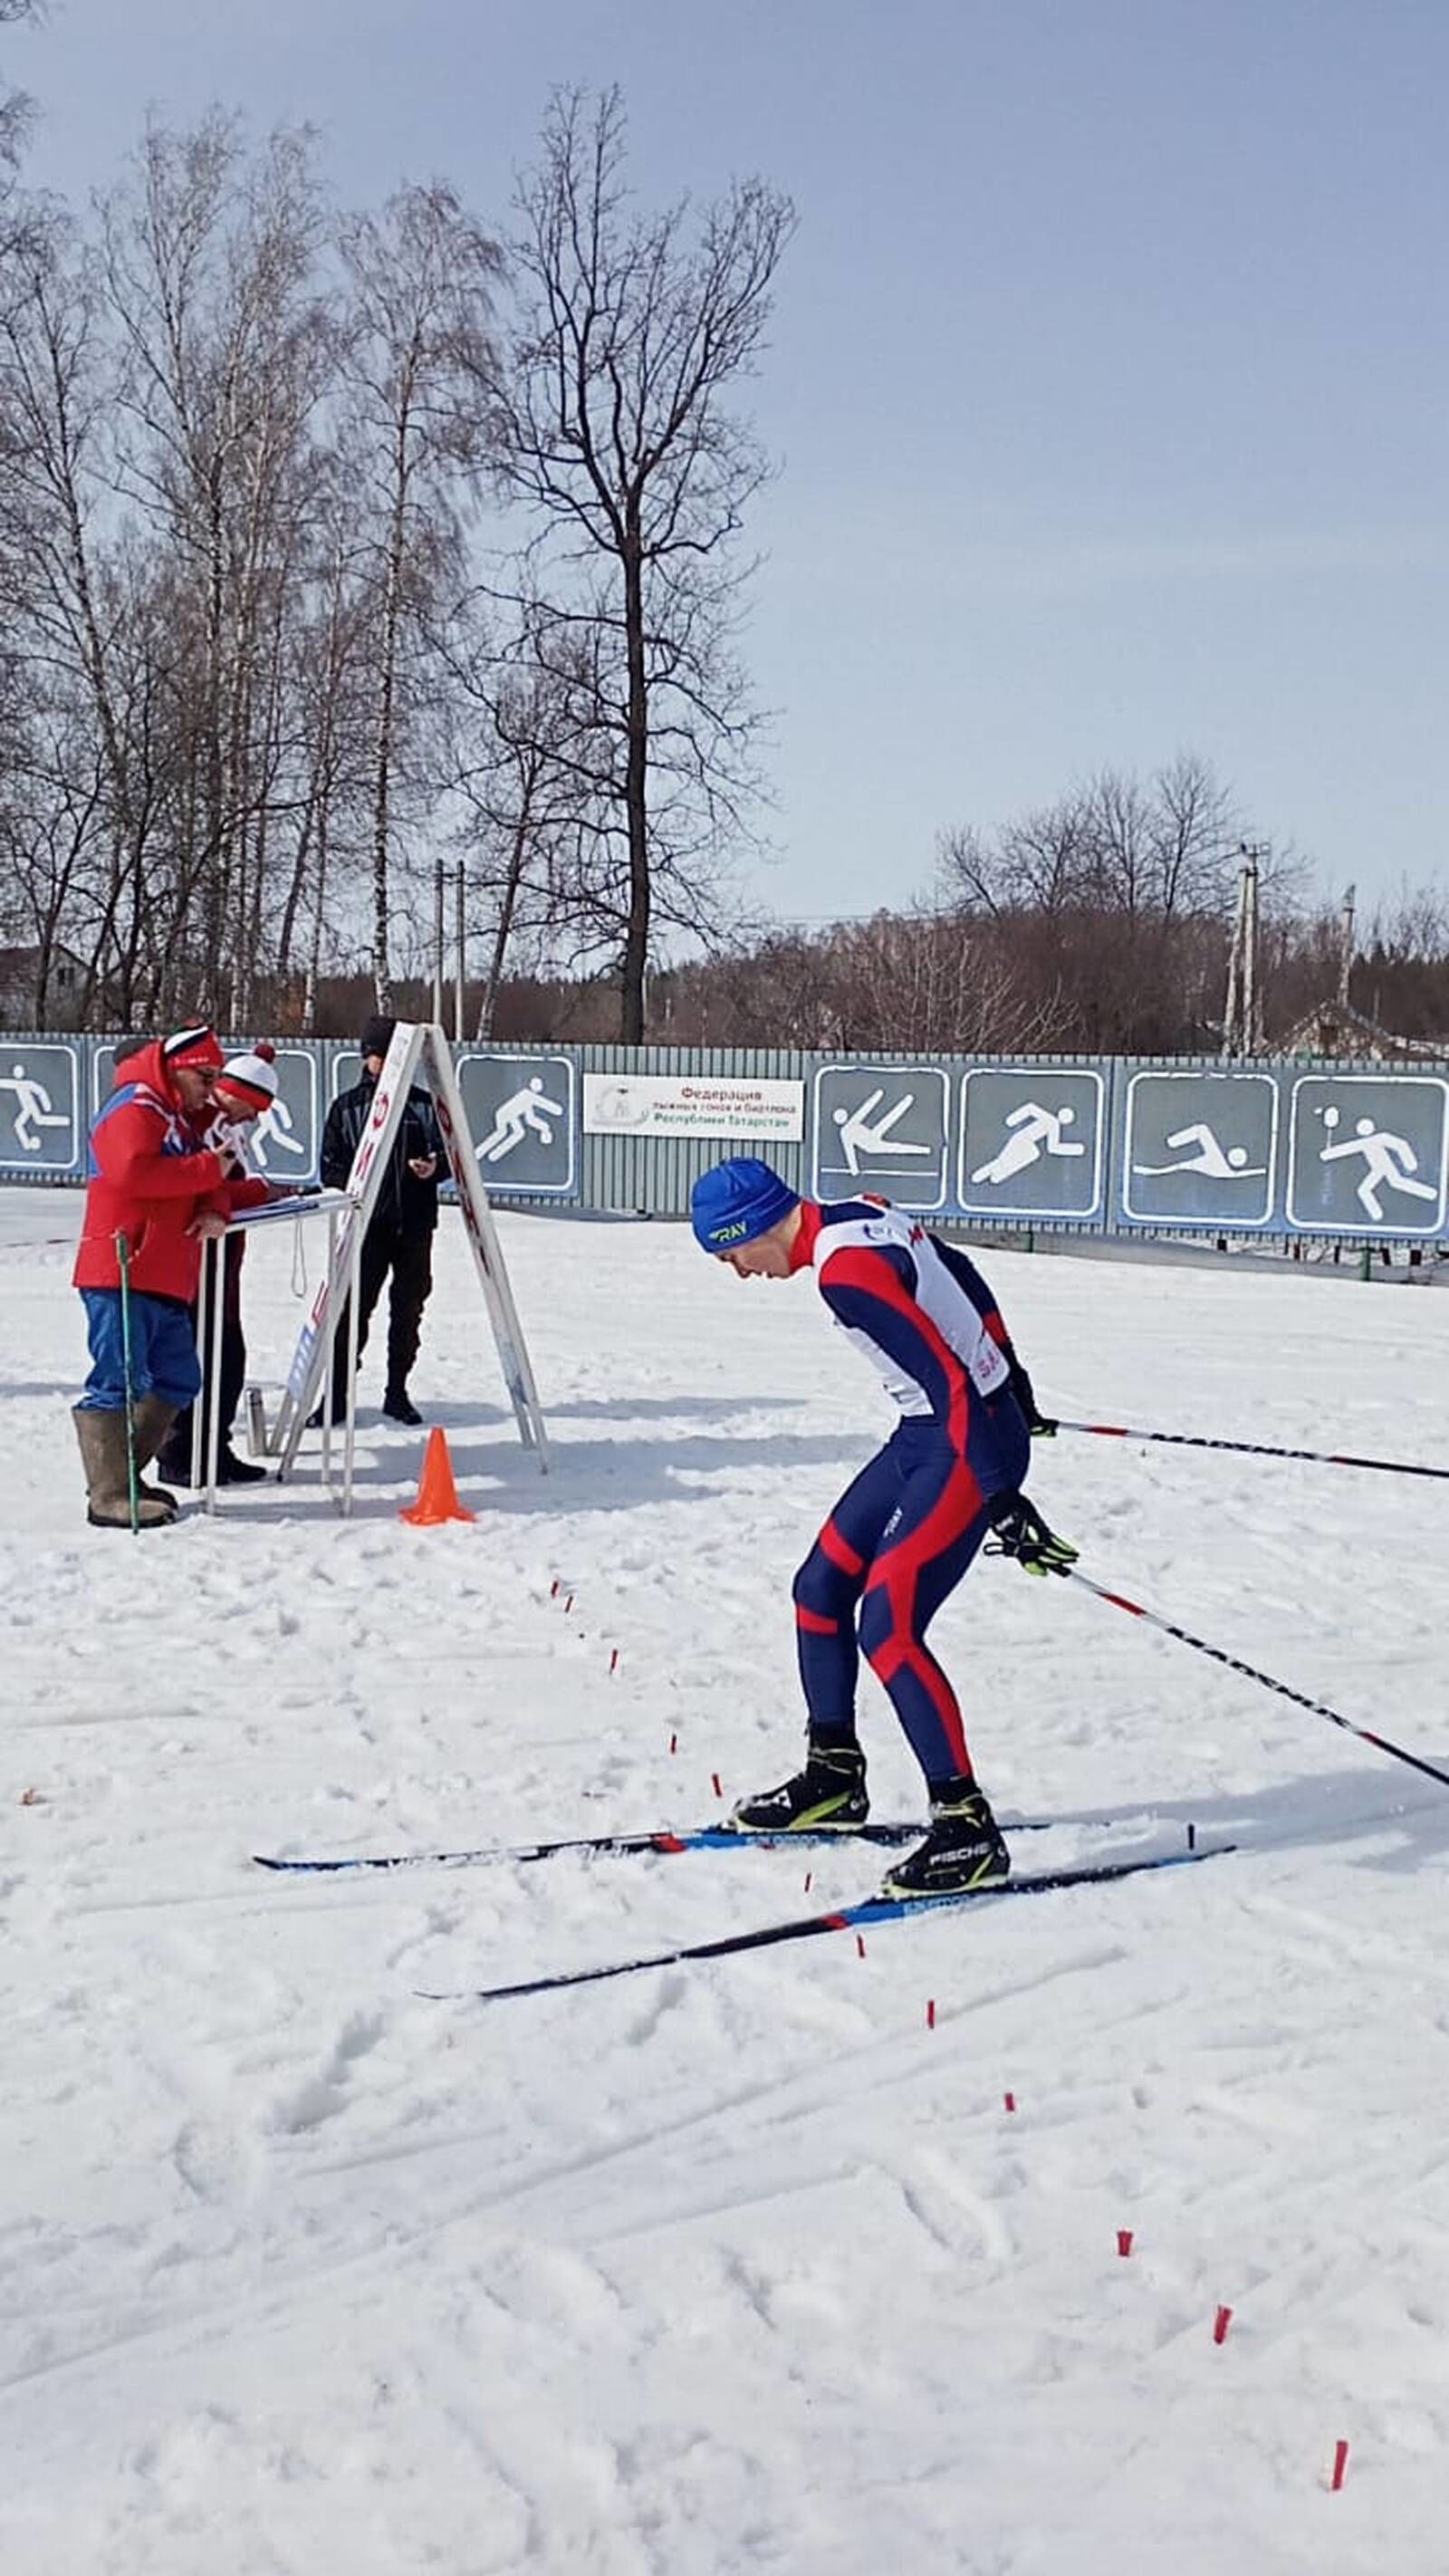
(739, 2266)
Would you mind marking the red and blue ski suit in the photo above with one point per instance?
(150, 1178)
(902, 1535)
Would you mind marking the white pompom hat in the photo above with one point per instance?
(249, 1080)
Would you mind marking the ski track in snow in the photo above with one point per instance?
(736, 2266)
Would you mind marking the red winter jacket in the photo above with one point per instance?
(150, 1177)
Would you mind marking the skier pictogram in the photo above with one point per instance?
(519, 1117)
(858, 1136)
(1037, 1131)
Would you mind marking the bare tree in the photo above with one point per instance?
(15, 114)
(1193, 833)
(225, 352)
(615, 433)
(1040, 861)
(525, 773)
(421, 277)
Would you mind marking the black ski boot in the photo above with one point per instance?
(963, 1849)
(828, 1797)
(398, 1405)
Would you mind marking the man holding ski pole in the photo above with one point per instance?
(154, 1195)
(904, 1533)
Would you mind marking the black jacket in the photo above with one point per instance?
(405, 1205)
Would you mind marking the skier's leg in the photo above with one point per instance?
(942, 1523)
(827, 1590)
(944, 1518)
(964, 1848)
(830, 1790)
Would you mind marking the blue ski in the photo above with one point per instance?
(845, 1918)
(617, 1846)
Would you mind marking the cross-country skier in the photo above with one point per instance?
(902, 1535)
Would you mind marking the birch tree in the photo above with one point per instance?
(421, 277)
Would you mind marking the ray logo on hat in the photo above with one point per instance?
(737, 1200)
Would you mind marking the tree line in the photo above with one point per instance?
(1101, 922)
(329, 542)
(335, 544)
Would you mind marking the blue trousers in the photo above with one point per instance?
(163, 1351)
(897, 1543)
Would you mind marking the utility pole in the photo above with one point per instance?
(460, 971)
(1243, 1011)
(439, 938)
(1345, 954)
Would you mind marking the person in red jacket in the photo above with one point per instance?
(152, 1181)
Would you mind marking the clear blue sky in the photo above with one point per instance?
(1109, 374)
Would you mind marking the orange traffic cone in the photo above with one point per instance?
(437, 1494)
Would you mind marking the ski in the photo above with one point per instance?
(622, 1846)
(843, 1918)
(605, 1847)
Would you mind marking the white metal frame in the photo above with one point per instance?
(211, 1316)
(416, 1046)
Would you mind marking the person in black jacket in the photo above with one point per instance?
(399, 1237)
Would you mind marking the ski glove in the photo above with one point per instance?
(1041, 1426)
(1021, 1532)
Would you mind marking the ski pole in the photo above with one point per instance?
(1250, 1672)
(1253, 1449)
(133, 1481)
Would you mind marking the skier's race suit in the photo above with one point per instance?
(902, 1535)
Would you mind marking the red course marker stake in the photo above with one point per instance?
(1124, 2240)
(614, 1661)
(674, 1744)
(860, 1945)
(718, 1791)
(1009, 2101)
(931, 2012)
(1221, 2323)
(1340, 2464)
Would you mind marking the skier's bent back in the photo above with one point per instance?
(903, 1534)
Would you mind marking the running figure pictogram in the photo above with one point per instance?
(276, 1127)
(1387, 1160)
(1037, 1131)
(32, 1108)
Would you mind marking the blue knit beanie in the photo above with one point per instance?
(736, 1200)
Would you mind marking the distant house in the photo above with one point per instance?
(65, 988)
(1336, 1029)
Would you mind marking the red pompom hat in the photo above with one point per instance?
(249, 1080)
